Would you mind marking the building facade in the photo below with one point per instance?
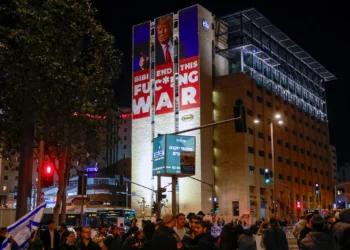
(237, 65)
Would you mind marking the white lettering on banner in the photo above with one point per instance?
(141, 105)
(164, 101)
(163, 72)
(141, 78)
(188, 95)
(145, 87)
(191, 77)
(189, 65)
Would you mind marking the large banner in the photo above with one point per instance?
(141, 98)
(164, 70)
(188, 52)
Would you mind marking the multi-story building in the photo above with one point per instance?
(239, 65)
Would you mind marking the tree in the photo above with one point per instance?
(56, 60)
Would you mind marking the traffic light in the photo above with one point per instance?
(154, 206)
(47, 174)
(317, 191)
(161, 196)
(267, 176)
(216, 207)
(298, 204)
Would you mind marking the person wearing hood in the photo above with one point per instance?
(317, 239)
(298, 226)
(341, 231)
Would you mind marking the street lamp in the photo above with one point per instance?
(277, 118)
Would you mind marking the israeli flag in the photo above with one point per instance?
(22, 229)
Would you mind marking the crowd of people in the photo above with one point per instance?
(194, 232)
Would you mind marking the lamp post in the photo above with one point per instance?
(277, 118)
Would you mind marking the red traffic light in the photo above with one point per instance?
(48, 169)
(298, 204)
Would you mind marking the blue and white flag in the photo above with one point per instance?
(22, 229)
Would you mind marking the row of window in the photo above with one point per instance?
(279, 142)
(280, 159)
(309, 168)
(313, 127)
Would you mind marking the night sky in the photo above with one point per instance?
(318, 28)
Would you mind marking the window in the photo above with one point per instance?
(270, 156)
(251, 150)
(259, 99)
(296, 180)
(279, 158)
(261, 153)
(280, 176)
(286, 129)
(261, 135)
(269, 138)
(124, 146)
(293, 116)
(288, 178)
(288, 161)
(302, 151)
(5, 177)
(287, 145)
(295, 148)
(303, 166)
(279, 142)
(249, 94)
(6, 167)
(125, 129)
(251, 169)
(250, 131)
(249, 112)
(294, 132)
(315, 170)
(262, 171)
(124, 138)
(309, 168)
(269, 104)
(296, 164)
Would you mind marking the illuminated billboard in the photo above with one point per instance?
(141, 99)
(164, 70)
(174, 155)
(189, 64)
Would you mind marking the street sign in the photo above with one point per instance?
(174, 155)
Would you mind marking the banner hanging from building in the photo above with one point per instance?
(141, 98)
(164, 69)
(189, 65)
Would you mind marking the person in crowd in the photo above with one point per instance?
(306, 229)
(228, 237)
(275, 238)
(63, 232)
(180, 228)
(100, 236)
(316, 239)
(50, 237)
(135, 240)
(341, 231)
(86, 243)
(245, 239)
(165, 237)
(68, 244)
(202, 234)
(113, 240)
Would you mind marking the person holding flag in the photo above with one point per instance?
(20, 232)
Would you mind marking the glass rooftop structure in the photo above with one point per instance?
(253, 45)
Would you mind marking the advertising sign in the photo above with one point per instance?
(164, 71)
(141, 99)
(189, 64)
(174, 155)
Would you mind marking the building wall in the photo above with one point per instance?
(333, 153)
(301, 147)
